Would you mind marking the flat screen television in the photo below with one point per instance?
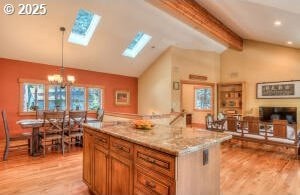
(267, 114)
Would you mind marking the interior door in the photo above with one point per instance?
(198, 99)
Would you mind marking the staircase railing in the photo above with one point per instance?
(181, 114)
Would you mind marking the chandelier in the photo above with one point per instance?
(59, 79)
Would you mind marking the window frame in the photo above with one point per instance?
(46, 85)
(21, 92)
(211, 98)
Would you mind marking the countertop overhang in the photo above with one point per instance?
(168, 139)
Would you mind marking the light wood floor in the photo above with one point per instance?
(54, 175)
(254, 169)
(244, 171)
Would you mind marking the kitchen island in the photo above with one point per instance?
(119, 159)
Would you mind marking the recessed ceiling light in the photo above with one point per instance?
(289, 43)
(277, 23)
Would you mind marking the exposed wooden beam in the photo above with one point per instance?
(199, 18)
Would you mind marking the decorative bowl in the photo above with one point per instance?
(143, 124)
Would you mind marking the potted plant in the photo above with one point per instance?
(76, 101)
(58, 103)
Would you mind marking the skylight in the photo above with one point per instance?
(84, 27)
(137, 44)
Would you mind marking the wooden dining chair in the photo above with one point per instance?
(279, 128)
(53, 130)
(232, 124)
(100, 114)
(14, 138)
(74, 130)
(214, 125)
(39, 114)
(280, 135)
(251, 128)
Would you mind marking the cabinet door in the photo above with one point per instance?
(101, 162)
(121, 175)
(87, 158)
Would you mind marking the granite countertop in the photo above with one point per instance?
(172, 140)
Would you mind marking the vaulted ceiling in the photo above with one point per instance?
(254, 19)
(38, 39)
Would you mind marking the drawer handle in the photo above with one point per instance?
(150, 184)
(102, 140)
(150, 160)
(156, 162)
(121, 148)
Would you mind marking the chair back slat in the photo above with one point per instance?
(209, 119)
(279, 128)
(100, 114)
(54, 121)
(39, 114)
(231, 123)
(5, 124)
(252, 124)
(76, 119)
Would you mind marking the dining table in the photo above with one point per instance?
(35, 125)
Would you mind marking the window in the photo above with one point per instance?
(94, 98)
(84, 27)
(56, 98)
(136, 45)
(38, 94)
(77, 98)
(203, 98)
(33, 97)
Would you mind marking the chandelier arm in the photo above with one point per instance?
(56, 79)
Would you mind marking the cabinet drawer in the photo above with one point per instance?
(155, 160)
(151, 183)
(121, 147)
(101, 139)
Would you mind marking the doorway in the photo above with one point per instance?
(197, 99)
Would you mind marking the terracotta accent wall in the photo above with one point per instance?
(12, 70)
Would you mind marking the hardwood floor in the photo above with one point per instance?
(244, 171)
(254, 169)
(55, 174)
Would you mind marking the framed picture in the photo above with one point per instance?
(278, 90)
(122, 97)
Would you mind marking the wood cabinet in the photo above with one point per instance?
(231, 98)
(88, 149)
(101, 170)
(149, 182)
(113, 166)
(155, 161)
(121, 179)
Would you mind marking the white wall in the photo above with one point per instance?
(154, 87)
(188, 104)
(156, 92)
(186, 62)
(262, 62)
